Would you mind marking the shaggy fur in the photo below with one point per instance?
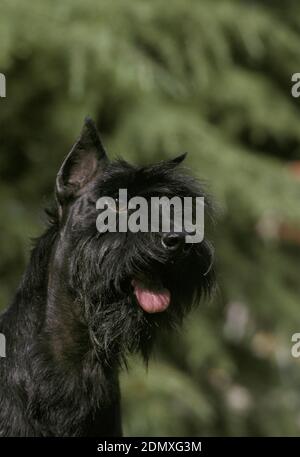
(75, 317)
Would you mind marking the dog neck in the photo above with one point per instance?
(64, 321)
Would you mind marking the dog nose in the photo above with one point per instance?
(172, 241)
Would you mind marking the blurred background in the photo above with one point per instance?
(160, 78)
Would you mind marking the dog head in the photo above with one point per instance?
(129, 279)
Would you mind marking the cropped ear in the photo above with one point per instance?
(177, 160)
(86, 159)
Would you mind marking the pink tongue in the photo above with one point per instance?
(151, 301)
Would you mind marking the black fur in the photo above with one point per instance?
(75, 317)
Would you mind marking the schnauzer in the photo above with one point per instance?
(89, 298)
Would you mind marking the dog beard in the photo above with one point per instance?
(129, 289)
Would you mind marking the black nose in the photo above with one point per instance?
(172, 241)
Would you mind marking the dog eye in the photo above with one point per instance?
(121, 206)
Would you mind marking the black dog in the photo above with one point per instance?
(87, 299)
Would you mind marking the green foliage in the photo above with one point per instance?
(212, 78)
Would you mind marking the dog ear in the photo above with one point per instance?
(84, 161)
(177, 160)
